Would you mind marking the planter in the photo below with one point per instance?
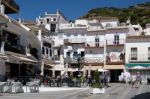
(97, 90)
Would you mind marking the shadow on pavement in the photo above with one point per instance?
(142, 96)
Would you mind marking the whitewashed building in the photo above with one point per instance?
(52, 22)
(19, 51)
(86, 45)
(96, 40)
(138, 53)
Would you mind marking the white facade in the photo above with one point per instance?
(138, 56)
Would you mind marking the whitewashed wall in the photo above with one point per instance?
(142, 48)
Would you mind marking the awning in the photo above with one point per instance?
(114, 67)
(130, 65)
(3, 57)
(137, 67)
(48, 62)
(94, 68)
(20, 58)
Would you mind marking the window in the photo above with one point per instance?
(82, 54)
(148, 53)
(116, 39)
(133, 53)
(47, 44)
(68, 54)
(53, 27)
(46, 50)
(54, 19)
(43, 50)
(41, 22)
(50, 52)
(48, 20)
(136, 29)
(108, 25)
(97, 41)
(75, 54)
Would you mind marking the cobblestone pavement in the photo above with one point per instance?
(115, 91)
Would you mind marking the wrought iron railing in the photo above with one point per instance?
(94, 44)
(139, 57)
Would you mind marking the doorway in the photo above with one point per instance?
(114, 75)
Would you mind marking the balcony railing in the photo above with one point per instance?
(139, 58)
(115, 42)
(15, 48)
(74, 40)
(75, 61)
(115, 58)
(94, 44)
(11, 6)
(94, 59)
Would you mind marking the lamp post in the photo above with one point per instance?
(79, 59)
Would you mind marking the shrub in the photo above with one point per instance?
(96, 83)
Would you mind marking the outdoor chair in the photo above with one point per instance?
(2, 84)
(16, 87)
(33, 86)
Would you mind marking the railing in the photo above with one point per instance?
(14, 48)
(93, 28)
(115, 58)
(94, 59)
(56, 58)
(75, 40)
(94, 44)
(72, 60)
(115, 42)
(139, 58)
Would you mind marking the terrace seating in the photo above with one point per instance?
(33, 86)
(11, 87)
(16, 87)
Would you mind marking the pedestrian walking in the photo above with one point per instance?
(105, 79)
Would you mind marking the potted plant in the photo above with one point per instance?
(96, 86)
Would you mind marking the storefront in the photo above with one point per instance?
(115, 71)
(20, 66)
(142, 68)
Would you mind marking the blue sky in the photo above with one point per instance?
(72, 9)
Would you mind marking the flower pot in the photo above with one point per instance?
(97, 90)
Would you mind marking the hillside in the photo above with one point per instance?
(138, 14)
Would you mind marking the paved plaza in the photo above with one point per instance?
(115, 91)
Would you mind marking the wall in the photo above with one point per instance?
(113, 23)
(141, 44)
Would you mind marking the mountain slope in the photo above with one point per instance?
(138, 14)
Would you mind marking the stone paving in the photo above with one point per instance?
(115, 91)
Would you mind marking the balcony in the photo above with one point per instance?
(14, 48)
(120, 42)
(74, 61)
(139, 58)
(115, 58)
(94, 60)
(94, 44)
(75, 41)
(10, 6)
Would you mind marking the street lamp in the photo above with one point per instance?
(79, 60)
